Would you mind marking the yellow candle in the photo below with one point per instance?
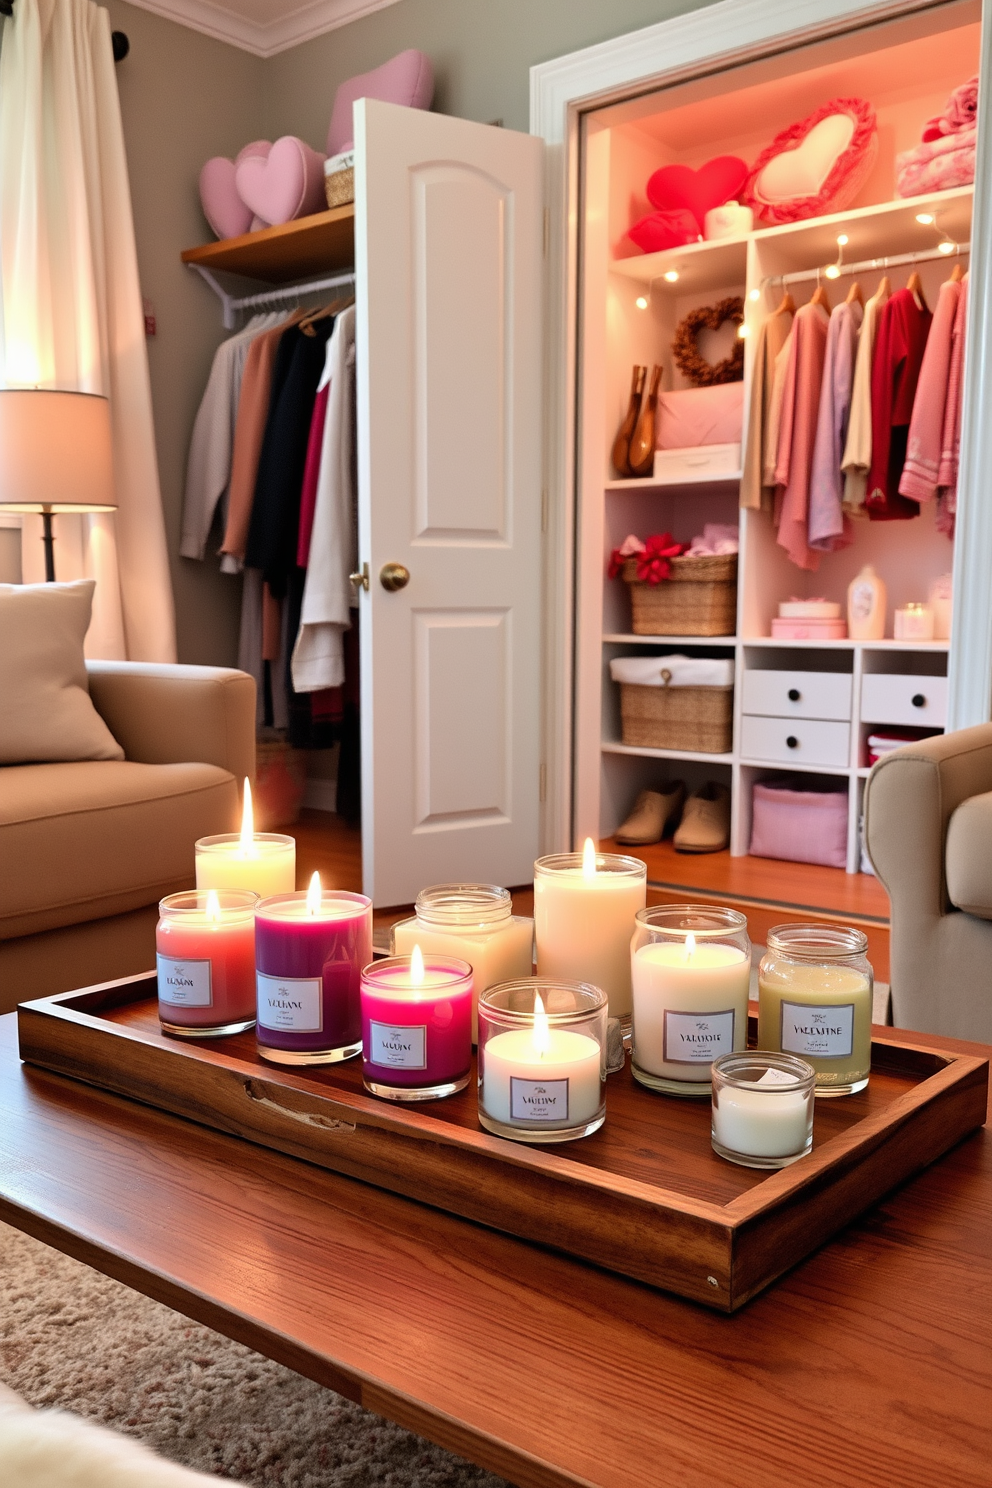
(823, 1014)
(264, 862)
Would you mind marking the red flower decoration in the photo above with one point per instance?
(653, 564)
(616, 563)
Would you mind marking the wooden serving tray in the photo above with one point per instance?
(645, 1196)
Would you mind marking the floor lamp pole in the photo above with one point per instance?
(48, 538)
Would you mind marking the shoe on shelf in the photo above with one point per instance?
(705, 824)
(654, 811)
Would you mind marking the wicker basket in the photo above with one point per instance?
(699, 598)
(339, 187)
(699, 718)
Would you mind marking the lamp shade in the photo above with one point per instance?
(55, 451)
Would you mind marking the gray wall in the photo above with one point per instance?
(185, 97)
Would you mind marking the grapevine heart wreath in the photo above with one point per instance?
(686, 354)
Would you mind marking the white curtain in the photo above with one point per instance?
(71, 304)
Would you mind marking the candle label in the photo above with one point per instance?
(698, 1038)
(184, 983)
(397, 1047)
(538, 1100)
(290, 1004)
(827, 1032)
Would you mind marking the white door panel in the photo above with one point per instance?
(448, 246)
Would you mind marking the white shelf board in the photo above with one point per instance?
(717, 264)
(609, 747)
(863, 771)
(886, 645)
(617, 638)
(793, 767)
(648, 482)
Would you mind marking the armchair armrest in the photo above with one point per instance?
(909, 799)
(166, 714)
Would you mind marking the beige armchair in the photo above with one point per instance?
(87, 849)
(928, 832)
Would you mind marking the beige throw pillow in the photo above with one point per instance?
(45, 708)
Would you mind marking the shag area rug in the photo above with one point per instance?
(72, 1338)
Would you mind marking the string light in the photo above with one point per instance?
(672, 276)
(947, 247)
(754, 294)
(843, 240)
(641, 302)
(925, 219)
(832, 271)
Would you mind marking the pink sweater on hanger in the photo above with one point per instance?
(797, 432)
(926, 427)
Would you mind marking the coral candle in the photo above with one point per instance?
(263, 862)
(205, 944)
(417, 1026)
(309, 952)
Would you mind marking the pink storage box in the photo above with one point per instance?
(799, 825)
(809, 630)
(694, 416)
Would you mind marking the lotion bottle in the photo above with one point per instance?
(866, 600)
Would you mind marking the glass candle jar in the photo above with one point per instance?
(542, 1059)
(476, 923)
(205, 956)
(762, 1108)
(691, 973)
(584, 908)
(266, 865)
(814, 1000)
(416, 1026)
(309, 954)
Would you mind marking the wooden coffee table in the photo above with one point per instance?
(868, 1364)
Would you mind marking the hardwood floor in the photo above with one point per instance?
(769, 892)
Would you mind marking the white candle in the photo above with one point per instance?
(541, 1075)
(584, 917)
(264, 862)
(762, 1119)
(913, 623)
(690, 1006)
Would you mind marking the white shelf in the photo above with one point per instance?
(668, 640)
(648, 482)
(887, 645)
(790, 767)
(720, 263)
(609, 747)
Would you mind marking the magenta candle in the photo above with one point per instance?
(309, 954)
(205, 956)
(416, 1026)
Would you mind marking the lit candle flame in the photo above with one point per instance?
(540, 1036)
(313, 895)
(213, 906)
(247, 848)
(588, 859)
(690, 946)
(416, 967)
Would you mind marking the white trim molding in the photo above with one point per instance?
(262, 38)
(700, 42)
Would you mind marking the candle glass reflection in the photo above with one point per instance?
(542, 1059)
(416, 1026)
(762, 1108)
(205, 958)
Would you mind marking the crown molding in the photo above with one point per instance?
(262, 38)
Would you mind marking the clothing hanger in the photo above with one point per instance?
(820, 297)
(915, 286)
(334, 308)
(854, 295)
(884, 287)
(957, 274)
(787, 305)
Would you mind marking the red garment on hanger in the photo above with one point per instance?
(308, 498)
(899, 345)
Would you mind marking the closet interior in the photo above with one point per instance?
(802, 706)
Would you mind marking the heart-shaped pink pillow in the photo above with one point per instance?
(406, 79)
(660, 230)
(288, 183)
(815, 166)
(679, 187)
(222, 206)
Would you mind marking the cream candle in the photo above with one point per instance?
(584, 908)
(542, 1059)
(262, 862)
(814, 1001)
(762, 1108)
(914, 622)
(691, 970)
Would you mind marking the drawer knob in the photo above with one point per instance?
(918, 700)
(792, 742)
(794, 694)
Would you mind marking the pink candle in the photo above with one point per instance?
(416, 1026)
(205, 944)
(310, 949)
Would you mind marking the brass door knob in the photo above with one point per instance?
(361, 579)
(394, 576)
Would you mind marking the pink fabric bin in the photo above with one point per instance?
(801, 826)
(690, 417)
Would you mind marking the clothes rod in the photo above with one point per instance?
(232, 304)
(867, 266)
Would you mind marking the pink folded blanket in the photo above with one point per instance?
(938, 164)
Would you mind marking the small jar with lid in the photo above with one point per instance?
(815, 1000)
(476, 923)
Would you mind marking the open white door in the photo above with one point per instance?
(448, 232)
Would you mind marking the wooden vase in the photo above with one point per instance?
(640, 456)
(621, 445)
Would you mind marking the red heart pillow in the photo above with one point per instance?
(660, 230)
(679, 187)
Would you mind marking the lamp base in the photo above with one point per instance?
(48, 538)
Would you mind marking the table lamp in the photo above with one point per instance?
(55, 456)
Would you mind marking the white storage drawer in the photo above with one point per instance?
(810, 741)
(798, 694)
(698, 463)
(887, 697)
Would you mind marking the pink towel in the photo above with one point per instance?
(920, 474)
